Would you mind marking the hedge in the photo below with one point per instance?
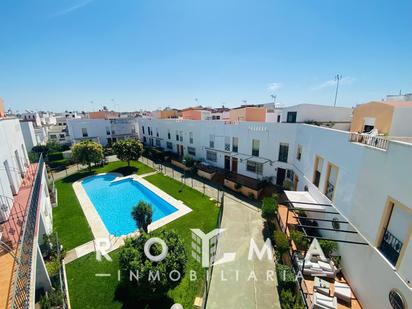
(55, 156)
(286, 277)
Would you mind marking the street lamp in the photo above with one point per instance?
(183, 176)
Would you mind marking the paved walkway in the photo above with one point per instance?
(242, 283)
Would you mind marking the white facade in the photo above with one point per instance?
(340, 116)
(29, 135)
(47, 118)
(104, 131)
(33, 117)
(401, 125)
(366, 180)
(13, 163)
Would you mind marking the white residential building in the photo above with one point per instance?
(33, 117)
(25, 216)
(368, 186)
(104, 131)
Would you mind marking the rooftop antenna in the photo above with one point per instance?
(274, 96)
(244, 101)
(338, 77)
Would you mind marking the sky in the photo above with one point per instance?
(148, 54)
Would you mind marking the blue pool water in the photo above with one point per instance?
(114, 202)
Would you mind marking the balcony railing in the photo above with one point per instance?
(390, 247)
(21, 286)
(374, 141)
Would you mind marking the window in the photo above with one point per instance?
(331, 178)
(283, 152)
(317, 171)
(168, 134)
(169, 145)
(278, 120)
(235, 144)
(143, 129)
(227, 143)
(254, 167)
(191, 137)
(177, 135)
(181, 136)
(191, 150)
(255, 147)
(396, 223)
(149, 131)
(157, 142)
(291, 117)
(211, 156)
(84, 132)
(211, 141)
(157, 133)
(299, 152)
(144, 139)
(62, 136)
(397, 300)
(107, 131)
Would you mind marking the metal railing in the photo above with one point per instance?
(22, 280)
(374, 141)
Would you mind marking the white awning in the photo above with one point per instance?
(303, 200)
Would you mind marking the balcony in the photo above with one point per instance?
(17, 242)
(379, 142)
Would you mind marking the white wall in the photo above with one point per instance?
(320, 113)
(29, 135)
(12, 141)
(401, 122)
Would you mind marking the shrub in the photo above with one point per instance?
(269, 208)
(51, 299)
(287, 299)
(55, 156)
(59, 163)
(132, 258)
(281, 241)
(286, 277)
(251, 196)
(328, 246)
(299, 239)
(238, 186)
(189, 161)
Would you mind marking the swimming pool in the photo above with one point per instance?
(114, 200)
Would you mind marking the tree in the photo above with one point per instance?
(87, 152)
(155, 278)
(127, 150)
(142, 214)
(269, 208)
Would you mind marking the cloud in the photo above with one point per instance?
(72, 8)
(274, 86)
(332, 83)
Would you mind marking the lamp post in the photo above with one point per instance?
(183, 176)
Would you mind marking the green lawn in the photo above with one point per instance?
(68, 218)
(88, 291)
